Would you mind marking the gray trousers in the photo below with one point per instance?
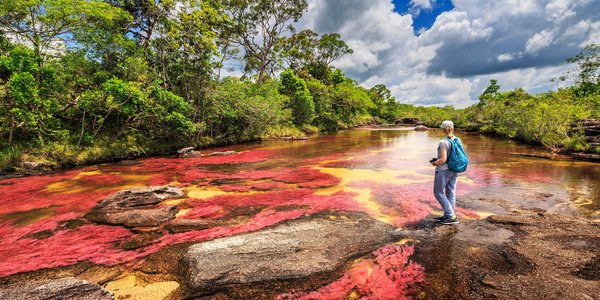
(444, 190)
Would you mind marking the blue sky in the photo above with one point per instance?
(423, 17)
(442, 52)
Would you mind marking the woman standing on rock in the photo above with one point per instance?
(444, 184)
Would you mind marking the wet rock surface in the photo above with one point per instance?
(520, 255)
(295, 249)
(137, 207)
(63, 288)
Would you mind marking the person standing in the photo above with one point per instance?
(444, 184)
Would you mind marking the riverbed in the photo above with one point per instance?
(49, 230)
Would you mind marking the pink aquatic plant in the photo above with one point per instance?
(389, 276)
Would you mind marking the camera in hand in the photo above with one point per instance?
(432, 160)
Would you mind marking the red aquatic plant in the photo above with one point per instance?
(389, 276)
(65, 247)
(307, 177)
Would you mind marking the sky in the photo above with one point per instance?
(444, 52)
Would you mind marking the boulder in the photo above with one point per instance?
(63, 288)
(293, 250)
(188, 152)
(137, 207)
(421, 128)
(34, 166)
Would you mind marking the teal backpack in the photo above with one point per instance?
(457, 158)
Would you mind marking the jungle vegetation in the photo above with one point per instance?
(85, 81)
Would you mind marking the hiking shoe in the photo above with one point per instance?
(449, 221)
(439, 218)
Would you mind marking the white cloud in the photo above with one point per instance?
(433, 90)
(505, 57)
(522, 43)
(425, 4)
(539, 41)
(559, 10)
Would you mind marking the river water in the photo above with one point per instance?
(383, 173)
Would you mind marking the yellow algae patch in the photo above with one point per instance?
(483, 214)
(87, 173)
(204, 192)
(406, 241)
(207, 192)
(174, 201)
(74, 186)
(379, 176)
(132, 181)
(363, 196)
(182, 212)
(132, 287)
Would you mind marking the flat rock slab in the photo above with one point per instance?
(63, 288)
(292, 250)
(137, 207)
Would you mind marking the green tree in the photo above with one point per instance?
(46, 25)
(588, 76)
(305, 50)
(300, 101)
(259, 25)
(25, 103)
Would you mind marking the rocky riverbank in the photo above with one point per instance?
(519, 252)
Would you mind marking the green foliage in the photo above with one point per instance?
(300, 101)
(258, 26)
(99, 80)
(351, 102)
(238, 110)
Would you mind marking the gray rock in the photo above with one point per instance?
(137, 207)
(421, 128)
(63, 288)
(296, 249)
(188, 152)
(34, 166)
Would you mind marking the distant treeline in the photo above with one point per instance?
(83, 81)
(553, 119)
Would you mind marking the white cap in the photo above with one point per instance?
(447, 123)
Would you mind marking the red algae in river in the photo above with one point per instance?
(390, 276)
(66, 247)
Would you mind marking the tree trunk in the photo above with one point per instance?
(12, 128)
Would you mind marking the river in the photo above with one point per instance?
(383, 173)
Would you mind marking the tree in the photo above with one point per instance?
(258, 27)
(46, 25)
(385, 105)
(304, 50)
(491, 91)
(25, 103)
(588, 61)
(300, 101)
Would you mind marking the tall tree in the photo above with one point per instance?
(258, 27)
(46, 25)
(588, 75)
(305, 50)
